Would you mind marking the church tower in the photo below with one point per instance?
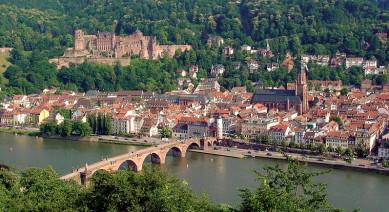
(302, 89)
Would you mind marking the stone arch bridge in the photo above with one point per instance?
(135, 160)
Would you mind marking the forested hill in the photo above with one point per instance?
(299, 26)
(341, 23)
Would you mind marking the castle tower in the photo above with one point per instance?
(79, 40)
(302, 89)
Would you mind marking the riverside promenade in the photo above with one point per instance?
(357, 164)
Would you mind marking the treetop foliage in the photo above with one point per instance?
(290, 189)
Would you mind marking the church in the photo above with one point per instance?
(285, 100)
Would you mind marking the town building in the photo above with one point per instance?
(228, 51)
(180, 131)
(215, 41)
(254, 126)
(354, 61)
(337, 139)
(217, 70)
(279, 133)
(383, 149)
(252, 65)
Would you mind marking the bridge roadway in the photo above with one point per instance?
(136, 159)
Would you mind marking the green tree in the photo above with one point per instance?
(293, 144)
(284, 143)
(63, 111)
(160, 192)
(81, 129)
(65, 128)
(344, 92)
(49, 128)
(339, 150)
(337, 120)
(361, 150)
(286, 190)
(349, 154)
(322, 148)
(166, 132)
(266, 139)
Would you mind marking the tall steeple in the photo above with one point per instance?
(302, 89)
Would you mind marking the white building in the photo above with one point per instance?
(59, 118)
(354, 61)
(383, 150)
(279, 132)
(123, 125)
(219, 126)
(228, 51)
(217, 70)
(19, 118)
(252, 65)
(272, 67)
(180, 131)
(246, 48)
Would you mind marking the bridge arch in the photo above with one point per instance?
(92, 174)
(129, 164)
(176, 151)
(193, 145)
(155, 158)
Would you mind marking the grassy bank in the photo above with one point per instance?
(20, 131)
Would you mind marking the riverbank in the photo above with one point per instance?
(99, 139)
(357, 165)
(25, 131)
(145, 141)
(74, 138)
(220, 153)
(133, 143)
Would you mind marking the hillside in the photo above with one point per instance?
(321, 25)
(4, 63)
(296, 26)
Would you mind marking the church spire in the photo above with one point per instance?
(302, 77)
(302, 88)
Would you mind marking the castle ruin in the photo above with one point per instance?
(108, 48)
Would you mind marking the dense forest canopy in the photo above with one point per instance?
(46, 27)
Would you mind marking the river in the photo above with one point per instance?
(219, 177)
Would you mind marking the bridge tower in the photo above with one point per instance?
(85, 175)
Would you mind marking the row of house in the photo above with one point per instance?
(369, 66)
